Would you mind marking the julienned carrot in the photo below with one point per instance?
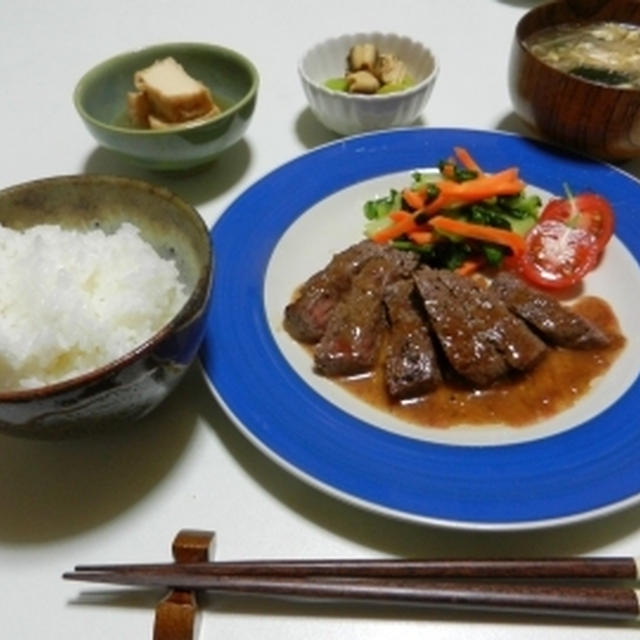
(400, 215)
(415, 199)
(503, 237)
(469, 266)
(435, 205)
(503, 183)
(452, 193)
(403, 222)
(466, 159)
(422, 237)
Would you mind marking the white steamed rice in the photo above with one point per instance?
(72, 301)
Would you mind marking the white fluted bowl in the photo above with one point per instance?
(348, 113)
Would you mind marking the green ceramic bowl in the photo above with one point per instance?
(100, 98)
(134, 384)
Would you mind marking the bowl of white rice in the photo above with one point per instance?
(103, 300)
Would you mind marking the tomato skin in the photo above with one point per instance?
(558, 256)
(588, 211)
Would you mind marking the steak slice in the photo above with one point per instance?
(480, 338)
(351, 342)
(411, 367)
(556, 323)
(307, 316)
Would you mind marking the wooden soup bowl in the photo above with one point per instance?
(595, 119)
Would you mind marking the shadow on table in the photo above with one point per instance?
(197, 186)
(513, 124)
(52, 490)
(312, 133)
(521, 3)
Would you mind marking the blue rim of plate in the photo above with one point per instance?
(584, 472)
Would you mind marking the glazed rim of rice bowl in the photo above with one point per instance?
(111, 365)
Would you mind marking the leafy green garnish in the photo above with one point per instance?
(381, 207)
(485, 214)
(377, 224)
(377, 211)
(450, 255)
(521, 205)
(421, 180)
(407, 245)
(603, 76)
(493, 254)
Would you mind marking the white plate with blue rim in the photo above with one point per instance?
(582, 463)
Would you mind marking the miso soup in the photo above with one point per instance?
(601, 52)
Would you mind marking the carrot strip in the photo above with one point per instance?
(504, 237)
(404, 224)
(437, 204)
(451, 193)
(469, 266)
(399, 215)
(415, 199)
(503, 183)
(466, 160)
(422, 237)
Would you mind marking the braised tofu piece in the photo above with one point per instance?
(138, 108)
(168, 95)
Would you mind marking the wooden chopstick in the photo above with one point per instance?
(429, 583)
(576, 568)
(504, 597)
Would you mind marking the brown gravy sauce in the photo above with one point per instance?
(555, 384)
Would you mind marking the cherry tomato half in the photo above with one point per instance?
(587, 211)
(557, 255)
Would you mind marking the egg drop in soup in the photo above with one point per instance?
(601, 52)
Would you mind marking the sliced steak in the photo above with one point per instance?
(351, 342)
(411, 367)
(402, 263)
(307, 316)
(480, 338)
(556, 323)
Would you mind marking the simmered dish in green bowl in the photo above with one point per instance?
(102, 98)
